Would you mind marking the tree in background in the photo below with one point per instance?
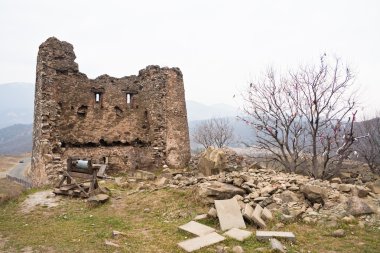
(274, 115)
(304, 116)
(368, 149)
(217, 132)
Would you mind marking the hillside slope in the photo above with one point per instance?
(16, 139)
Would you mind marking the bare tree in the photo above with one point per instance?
(274, 116)
(216, 132)
(302, 116)
(368, 150)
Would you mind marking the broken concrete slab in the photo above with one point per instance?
(200, 217)
(197, 228)
(229, 214)
(238, 234)
(256, 217)
(201, 241)
(258, 221)
(266, 214)
(253, 216)
(276, 245)
(248, 212)
(266, 235)
(258, 210)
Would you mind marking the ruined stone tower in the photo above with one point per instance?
(133, 122)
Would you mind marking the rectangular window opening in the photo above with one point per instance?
(129, 97)
(97, 97)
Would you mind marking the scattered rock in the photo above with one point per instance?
(361, 191)
(215, 160)
(99, 198)
(212, 213)
(336, 180)
(121, 182)
(314, 194)
(344, 188)
(214, 190)
(338, 233)
(288, 196)
(200, 217)
(357, 207)
(237, 249)
(276, 245)
(112, 244)
(375, 186)
(221, 249)
(116, 234)
(212, 161)
(348, 219)
(162, 181)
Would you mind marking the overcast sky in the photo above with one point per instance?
(219, 45)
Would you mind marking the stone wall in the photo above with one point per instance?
(133, 122)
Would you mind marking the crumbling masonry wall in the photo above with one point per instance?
(133, 122)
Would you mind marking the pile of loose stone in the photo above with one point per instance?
(260, 193)
(294, 196)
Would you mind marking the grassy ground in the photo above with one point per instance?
(149, 221)
(7, 162)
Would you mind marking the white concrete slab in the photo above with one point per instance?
(238, 234)
(248, 212)
(266, 235)
(229, 214)
(197, 228)
(258, 210)
(200, 242)
(266, 214)
(258, 221)
(276, 245)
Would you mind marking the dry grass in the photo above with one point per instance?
(8, 162)
(9, 190)
(149, 221)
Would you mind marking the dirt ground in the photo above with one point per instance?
(8, 162)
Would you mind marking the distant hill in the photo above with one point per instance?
(16, 104)
(16, 139)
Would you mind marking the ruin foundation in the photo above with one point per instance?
(133, 122)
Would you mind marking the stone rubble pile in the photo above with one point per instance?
(295, 197)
